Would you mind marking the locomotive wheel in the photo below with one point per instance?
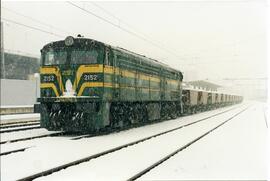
(114, 117)
(135, 119)
(173, 113)
(165, 111)
(144, 113)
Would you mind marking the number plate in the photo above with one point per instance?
(48, 78)
(90, 77)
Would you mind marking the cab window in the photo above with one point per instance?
(55, 57)
(84, 57)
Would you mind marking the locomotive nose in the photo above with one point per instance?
(69, 91)
(68, 75)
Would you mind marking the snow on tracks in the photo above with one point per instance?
(124, 163)
(236, 151)
(57, 151)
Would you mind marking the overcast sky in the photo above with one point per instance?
(205, 39)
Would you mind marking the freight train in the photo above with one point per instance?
(88, 86)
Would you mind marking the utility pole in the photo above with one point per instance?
(2, 52)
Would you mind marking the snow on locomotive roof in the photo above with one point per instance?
(150, 60)
(142, 56)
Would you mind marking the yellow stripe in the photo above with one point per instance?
(95, 84)
(108, 69)
(89, 84)
(155, 79)
(109, 84)
(143, 77)
(50, 85)
(49, 70)
(96, 68)
(127, 73)
(171, 81)
(56, 72)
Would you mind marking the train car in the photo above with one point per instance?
(197, 100)
(215, 99)
(87, 85)
(218, 101)
(190, 100)
(204, 100)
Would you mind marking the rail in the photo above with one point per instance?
(4, 110)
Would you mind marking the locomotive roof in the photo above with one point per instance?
(81, 40)
(150, 60)
(147, 59)
(77, 42)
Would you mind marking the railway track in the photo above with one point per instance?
(134, 126)
(157, 163)
(32, 137)
(106, 152)
(19, 129)
(19, 125)
(14, 151)
(18, 122)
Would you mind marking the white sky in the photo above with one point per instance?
(205, 39)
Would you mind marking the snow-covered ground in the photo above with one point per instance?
(23, 134)
(236, 151)
(127, 162)
(46, 153)
(53, 151)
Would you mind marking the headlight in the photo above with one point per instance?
(69, 41)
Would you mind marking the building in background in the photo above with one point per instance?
(20, 66)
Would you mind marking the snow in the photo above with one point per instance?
(49, 152)
(23, 134)
(236, 151)
(128, 161)
(46, 153)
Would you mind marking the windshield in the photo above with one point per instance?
(74, 57)
(55, 58)
(84, 57)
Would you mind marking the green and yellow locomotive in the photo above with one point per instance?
(87, 85)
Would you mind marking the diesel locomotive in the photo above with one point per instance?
(87, 85)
